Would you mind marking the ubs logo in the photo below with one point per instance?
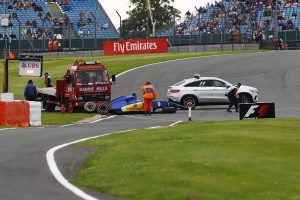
(23, 65)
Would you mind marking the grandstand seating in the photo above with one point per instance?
(190, 23)
(88, 6)
(75, 7)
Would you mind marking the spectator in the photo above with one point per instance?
(48, 80)
(30, 91)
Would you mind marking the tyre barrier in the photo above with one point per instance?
(103, 108)
(90, 107)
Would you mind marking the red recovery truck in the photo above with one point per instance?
(85, 85)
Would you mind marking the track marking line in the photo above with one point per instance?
(3, 129)
(175, 123)
(154, 127)
(58, 175)
(179, 59)
(98, 120)
(66, 125)
(92, 122)
(149, 118)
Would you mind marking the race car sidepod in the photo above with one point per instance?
(130, 104)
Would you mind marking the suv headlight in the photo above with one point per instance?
(253, 91)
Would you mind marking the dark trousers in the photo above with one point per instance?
(233, 102)
(30, 98)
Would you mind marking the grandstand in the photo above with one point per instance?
(253, 18)
(57, 19)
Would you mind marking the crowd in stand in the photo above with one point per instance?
(30, 30)
(231, 16)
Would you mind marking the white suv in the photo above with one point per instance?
(208, 91)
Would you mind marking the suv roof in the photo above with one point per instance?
(188, 80)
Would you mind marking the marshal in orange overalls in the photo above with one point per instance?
(149, 94)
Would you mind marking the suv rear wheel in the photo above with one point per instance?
(189, 99)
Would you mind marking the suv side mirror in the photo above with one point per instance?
(227, 86)
(113, 78)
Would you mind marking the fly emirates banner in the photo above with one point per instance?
(135, 46)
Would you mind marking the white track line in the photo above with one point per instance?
(57, 174)
(167, 61)
(149, 118)
(175, 123)
(154, 127)
(67, 125)
(98, 120)
(3, 129)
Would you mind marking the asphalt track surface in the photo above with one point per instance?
(24, 172)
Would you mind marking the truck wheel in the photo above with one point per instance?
(103, 108)
(90, 107)
(169, 110)
(48, 106)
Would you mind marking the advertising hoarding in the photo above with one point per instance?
(30, 68)
(257, 110)
(136, 46)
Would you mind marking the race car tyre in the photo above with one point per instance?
(103, 108)
(189, 100)
(90, 107)
(169, 110)
(245, 98)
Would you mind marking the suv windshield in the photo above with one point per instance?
(91, 77)
(179, 83)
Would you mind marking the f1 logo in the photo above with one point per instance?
(251, 110)
(257, 110)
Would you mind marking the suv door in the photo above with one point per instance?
(218, 92)
(201, 89)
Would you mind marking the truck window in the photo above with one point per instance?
(91, 77)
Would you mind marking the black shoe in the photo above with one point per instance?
(149, 113)
(228, 110)
(145, 113)
(236, 110)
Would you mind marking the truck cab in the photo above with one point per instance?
(84, 82)
(87, 81)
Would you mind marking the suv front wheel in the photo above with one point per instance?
(245, 98)
(189, 100)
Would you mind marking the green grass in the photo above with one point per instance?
(51, 118)
(253, 159)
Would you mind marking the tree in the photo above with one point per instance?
(144, 19)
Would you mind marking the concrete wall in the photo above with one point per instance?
(190, 48)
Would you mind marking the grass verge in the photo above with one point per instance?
(51, 118)
(254, 159)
